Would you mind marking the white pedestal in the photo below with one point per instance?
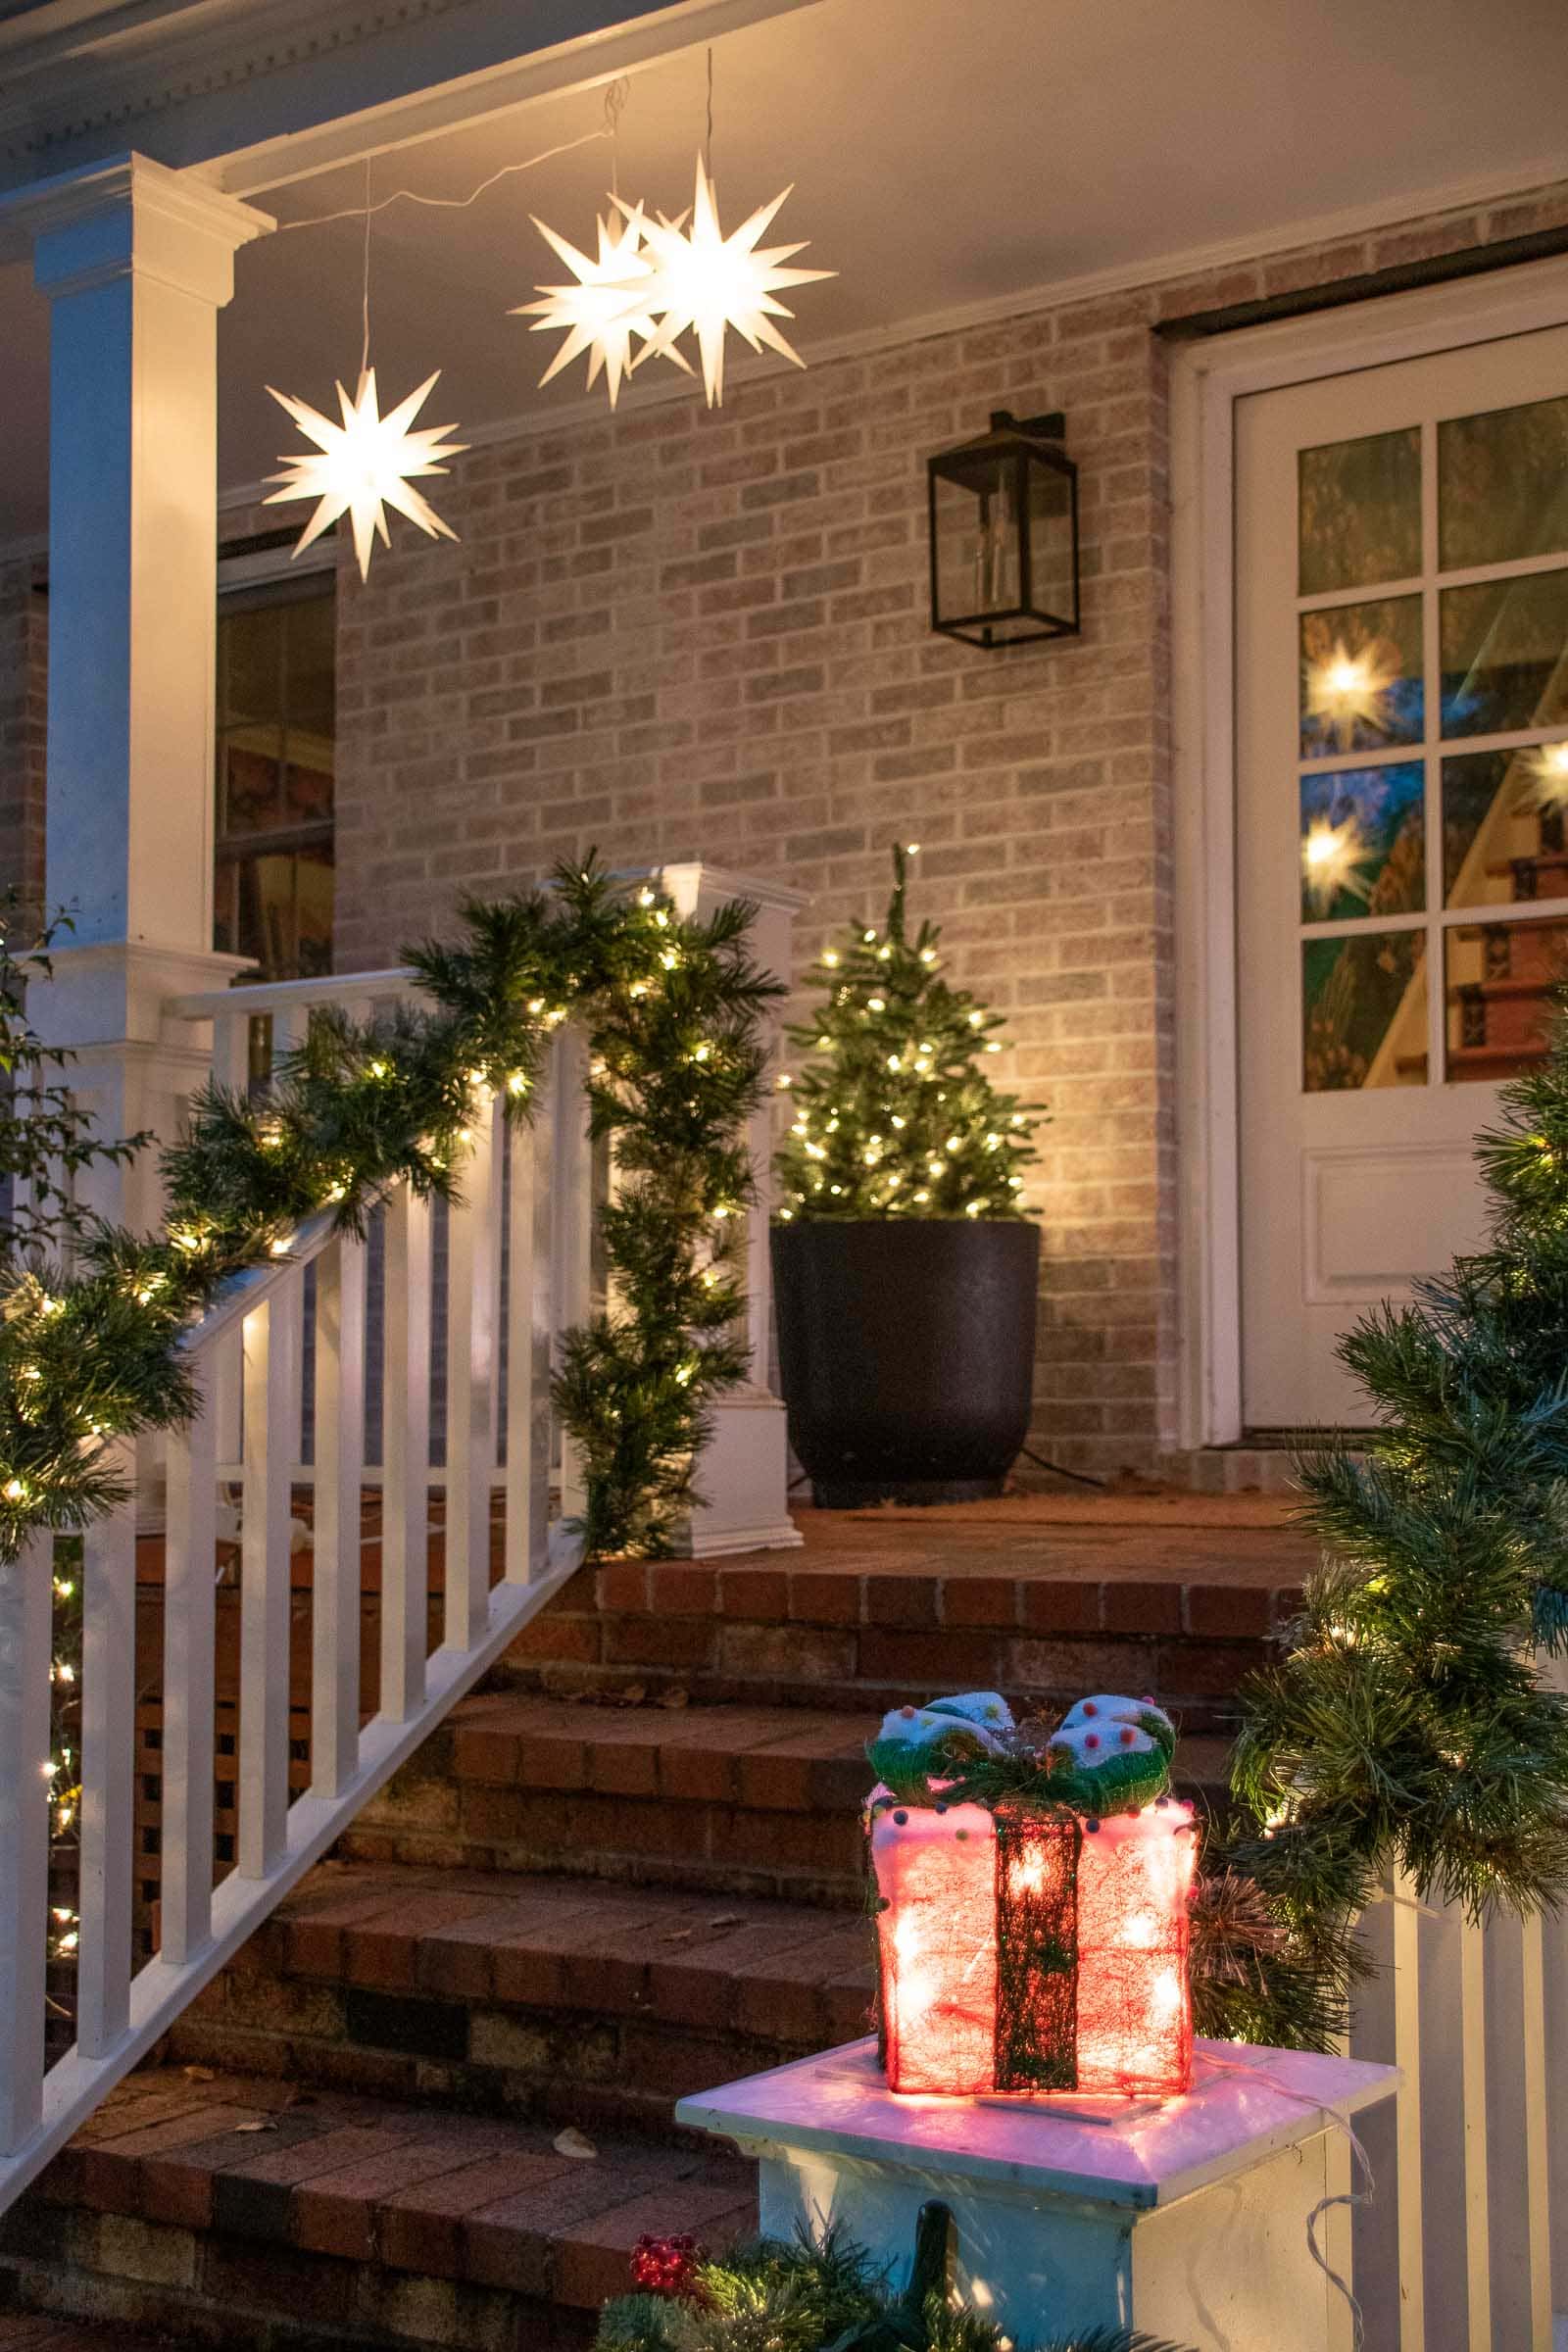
(1186, 2219)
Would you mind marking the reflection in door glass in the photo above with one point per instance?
(1504, 816)
(1504, 655)
(1363, 842)
(1500, 978)
(1363, 1012)
(1360, 512)
(1361, 677)
(1502, 485)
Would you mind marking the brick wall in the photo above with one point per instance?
(24, 642)
(679, 634)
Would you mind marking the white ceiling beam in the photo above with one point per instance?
(584, 63)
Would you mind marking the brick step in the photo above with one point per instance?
(235, 2213)
(741, 1801)
(1045, 1616)
(45, 2331)
(563, 2000)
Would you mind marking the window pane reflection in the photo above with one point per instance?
(1363, 1012)
(1503, 644)
(1503, 816)
(1499, 993)
(1363, 842)
(1502, 485)
(1360, 511)
(1362, 683)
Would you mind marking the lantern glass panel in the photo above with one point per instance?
(976, 516)
(1052, 583)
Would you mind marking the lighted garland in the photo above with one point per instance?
(815, 2295)
(671, 1007)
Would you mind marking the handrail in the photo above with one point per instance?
(253, 1285)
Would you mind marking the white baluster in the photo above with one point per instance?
(527, 1310)
(190, 1614)
(571, 1293)
(108, 1769)
(339, 1472)
(471, 1283)
(232, 1068)
(1408, 2114)
(1477, 2193)
(271, 1415)
(26, 1603)
(405, 1456)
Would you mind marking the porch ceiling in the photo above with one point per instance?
(946, 154)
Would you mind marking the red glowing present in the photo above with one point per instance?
(1027, 1945)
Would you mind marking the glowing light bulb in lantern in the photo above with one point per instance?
(710, 283)
(365, 465)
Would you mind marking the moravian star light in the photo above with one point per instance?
(709, 283)
(365, 465)
(603, 306)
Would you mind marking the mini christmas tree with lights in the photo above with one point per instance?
(898, 1116)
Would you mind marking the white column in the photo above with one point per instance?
(744, 1471)
(136, 261)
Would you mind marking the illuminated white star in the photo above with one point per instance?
(1332, 857)
(1550, 777)
(1349, 690)
(365, 465)
(711, 282)
(605, 305)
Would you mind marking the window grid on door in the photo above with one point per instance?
(1433, 747)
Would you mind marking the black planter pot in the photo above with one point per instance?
(907, 1355)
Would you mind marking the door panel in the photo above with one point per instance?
(1402, 824)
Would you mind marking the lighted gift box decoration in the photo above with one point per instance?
(1032, 1900)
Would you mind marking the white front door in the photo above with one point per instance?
(1401, 665)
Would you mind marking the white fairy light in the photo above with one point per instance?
(365, 465)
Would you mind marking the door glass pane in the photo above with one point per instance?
(1363, 1012)
(1500, 981)
(1502, 484)
(1360, 512)
(1361, 677)
(1363, 842)
(1504, 825)
(1503, 646)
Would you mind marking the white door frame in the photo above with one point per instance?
(1207, 378)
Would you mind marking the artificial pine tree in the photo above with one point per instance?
(896, 1116)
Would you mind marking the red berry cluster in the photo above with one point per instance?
(664, 2266)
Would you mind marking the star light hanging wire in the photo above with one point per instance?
(369, 461)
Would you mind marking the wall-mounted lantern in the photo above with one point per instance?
(1004, 534)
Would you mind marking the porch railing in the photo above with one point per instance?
(250, 1705)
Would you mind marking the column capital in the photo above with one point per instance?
(127, 218)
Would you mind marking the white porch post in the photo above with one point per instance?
(136, 261)
(744, 1472)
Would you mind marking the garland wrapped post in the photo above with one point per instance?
(673, 1008)
(1409, 1726)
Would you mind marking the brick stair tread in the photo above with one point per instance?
(718, 1964)
(765, 1758)
(399, 2185)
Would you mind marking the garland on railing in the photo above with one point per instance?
(671, 1008)
(1409, 1726)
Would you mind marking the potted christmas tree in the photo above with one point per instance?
(905, 1262)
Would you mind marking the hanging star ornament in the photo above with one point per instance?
(365, 465)
(710, 282)
(604, 305)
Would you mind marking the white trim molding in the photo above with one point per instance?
(1207, 380)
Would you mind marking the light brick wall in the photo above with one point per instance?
(677, 634)
(24, 643)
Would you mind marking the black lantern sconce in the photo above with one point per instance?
(1004, 534)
